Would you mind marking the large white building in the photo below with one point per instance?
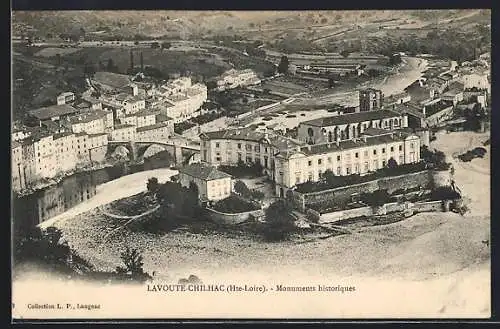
(289, 162)
(349, 126)
(234, 78)
(227, 147)
(212, 184)
(93, 122)
(368, 153)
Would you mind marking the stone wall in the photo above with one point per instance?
(432, 206)
(226, 218)
(344, 194)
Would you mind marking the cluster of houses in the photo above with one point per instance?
(237, 78)
(75, 132)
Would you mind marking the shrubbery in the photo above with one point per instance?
(234, 204)
(242, 169)
(279, 222)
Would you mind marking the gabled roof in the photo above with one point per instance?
(247, 134)
(203, 171)
(343, 119)
(49, 112)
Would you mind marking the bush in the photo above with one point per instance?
(444, 193)
(279, 222)
(242, 189)
(234, 205)
(375, 199)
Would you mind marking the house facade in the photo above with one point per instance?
(358, 156)
(349, 126)
(212, 184)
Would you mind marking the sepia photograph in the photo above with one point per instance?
(302, 164)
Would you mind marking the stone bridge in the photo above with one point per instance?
(182, 153)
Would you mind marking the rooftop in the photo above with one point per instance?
(350, 118)
(408, 108)
(49, 112)
(152, 127)
(247, 134)
(160, 117)
(203, 171)
(140, 113)
(347, 144)
(87, 117)
(63, 134)
(177, 98)
(123, 126)
(113, 80)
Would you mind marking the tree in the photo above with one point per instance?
(241, 188)
(131, 59)
(345, 53)
(391, 163)
(279, 221)
(375, 199)
(136, 42)
(133, 261)
(166, 45)
(155, 45)
(152, 185)
(283, 65)
(256, 194)
(328, 177)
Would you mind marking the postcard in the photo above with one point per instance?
(251, 164)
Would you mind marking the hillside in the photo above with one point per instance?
(201, 23)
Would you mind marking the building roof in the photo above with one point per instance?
(49, 112)
(123, 126)
(396, 136)
(408, 108)
(152, 127)
(91, 100)
(376, 132)
(177, 98)
(160, 117)
(113, 80)
(140, 113)
(87, 117)
(343, 119)
(67, 93)
(63, 134)
(248, 134)
(203, 171)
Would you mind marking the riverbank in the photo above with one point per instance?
(58, 179)
(113, 190)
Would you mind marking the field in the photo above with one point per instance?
(283, 87)
(50, 52)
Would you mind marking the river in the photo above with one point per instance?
(76, 193)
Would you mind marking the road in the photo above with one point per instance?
(114, 190)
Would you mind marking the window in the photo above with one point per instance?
(383, 150)
(374, 152)
(319, 161)
(297, 178)
(412, 146)
(310, 176)
(319, 173)
(239, 156)
(348, 170)
(383, 163)
(392, 148)
(248, 147)
(356, 155)
(266, 149)
(310, 163)
(401, 159)
(375, 164)
(366, 153)
(239, 146)
(249, 159)
(400, 147)
(367, 168)
(329, 160)
(257, 148)
(338, 157)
